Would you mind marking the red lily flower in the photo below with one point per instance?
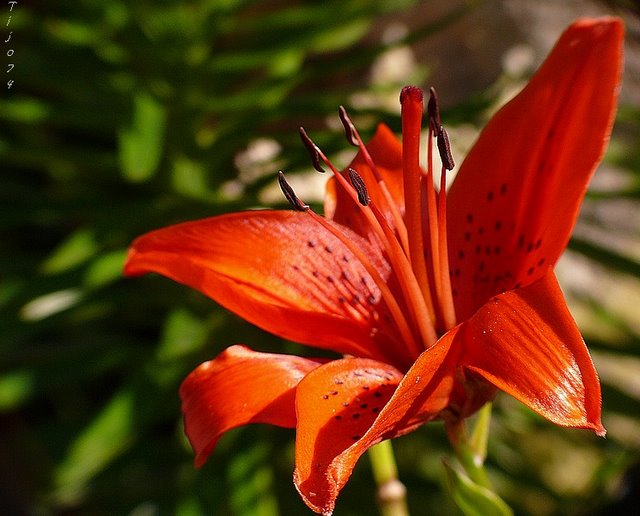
(435, 300)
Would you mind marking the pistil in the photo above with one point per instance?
(411, 100)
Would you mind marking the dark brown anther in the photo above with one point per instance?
(289, 194)
(433, 111)
(312, 149)
(445, 149)
(349, 128)
(360, 187)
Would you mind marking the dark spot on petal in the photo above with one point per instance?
(497, 249)
(356, 437)
(489, 196)
(364, 405)
(469, 218)
(338, 382)
(315, 274)
(478, 249)
(333, 393)
(330, 279)
(541, 262)
(325, 396)
(461, 254)
(345, 258)
(467, 236)
(366, 387)
(498, 225)
(311, 244)
(521, 241)
(355, 415)
(530, 271)
(481, 266)
(338, 418)
(375, 410)
(377, 394)
(328, 249)
(503, 188)
(480, 230)
(541, 166)
(538, 243)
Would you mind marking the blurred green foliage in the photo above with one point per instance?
(128, 116)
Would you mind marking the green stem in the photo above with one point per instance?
(471, 450)
(391, 495)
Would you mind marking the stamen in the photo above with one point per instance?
(290, 195)
(353, 137)
(445, 149)
(313, 150)
(432, 222)
(361, 189)
(433, 111)
(421, 307)
(411, 99)
(350, 130)
(445, 300)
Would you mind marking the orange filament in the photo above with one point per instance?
(423, 279)
(354, 138)
(388, 297)
(445, 299)
(420, 307)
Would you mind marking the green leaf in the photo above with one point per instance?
(251, 482)
(141, 144)
(105, 269)
(99, 443)
(75, 250)
(15, 388)
(480, 435)
(471, 498)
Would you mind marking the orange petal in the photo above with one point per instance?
(335, 406)
(526, 343)
(346, 406)
(386, 152)
(281, 271)
(515, 200)
(238, 387)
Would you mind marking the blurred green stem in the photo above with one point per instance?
(391, 495)
(471, 450)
